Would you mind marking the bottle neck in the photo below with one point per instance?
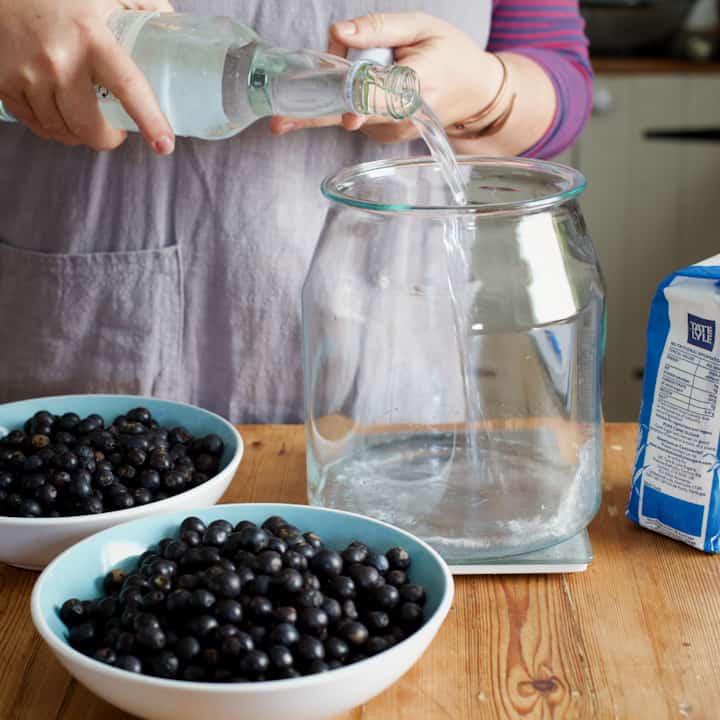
(304, 83)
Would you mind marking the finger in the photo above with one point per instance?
(42, 102)
(19, 109)
(113, 68)
(387, 29)
(335, 47)
(386, 133)
(79, 106)
(353, 122)
(280, 125)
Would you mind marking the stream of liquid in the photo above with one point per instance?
(458, 241)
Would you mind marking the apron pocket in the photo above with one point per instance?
(91, 323)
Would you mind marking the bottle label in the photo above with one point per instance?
(126, 26)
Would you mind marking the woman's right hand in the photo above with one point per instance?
(52, 55)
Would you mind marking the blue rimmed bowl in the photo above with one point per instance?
(32, 542)
(78, 573)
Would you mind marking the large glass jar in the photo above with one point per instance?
(453, 355)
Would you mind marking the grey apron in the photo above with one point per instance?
(178, 277)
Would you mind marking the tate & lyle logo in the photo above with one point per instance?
(701, 332)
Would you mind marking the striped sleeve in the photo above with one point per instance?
(552, 33)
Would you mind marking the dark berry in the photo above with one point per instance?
(186, 648)
(375, 645)
(113, 581)
(280, 656)
(190, 538)
(336, 648)
(398, 558)
(269, 562)
(225, 584)
(355, 553)
(412, 593)
(69, 421)
(309, 648)
(260, 607)
(253, 540)
(29, 508)
(215, 535)
(410, 614)
(284, 634)
(254, 663)
(193, 523)
(285, 614)
(159, 460)
(332, 609)
(364, 576)
(379, 562)
(129, 663)
(386, 597)
(165, 664)
(295, 560)
(228, 611)
(82, 636)
(72, 612)
(202, 600)
(206, 463)
(353, 632)
(47, 494)
(212, 444)
(327, 563)
(142, 496)
(237, 644)
(179, 435)
(342, 587)
(377, 620)
(139, 414)
(201, 625)
(289, 580)
(312, 620)
(105, 655)
(277, 545)
(396, 577)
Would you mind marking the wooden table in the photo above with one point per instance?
(637, 636)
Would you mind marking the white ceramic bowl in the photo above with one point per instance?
(32, 542)
(75, 573)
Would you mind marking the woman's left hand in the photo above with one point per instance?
(457, 77)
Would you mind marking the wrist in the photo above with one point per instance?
(493, 100)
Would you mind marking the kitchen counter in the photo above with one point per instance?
(650, 65)
(636, 636)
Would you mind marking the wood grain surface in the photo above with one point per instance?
(636, 636)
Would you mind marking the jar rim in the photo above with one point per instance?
(571, 183)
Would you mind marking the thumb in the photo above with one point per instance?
(386, 29)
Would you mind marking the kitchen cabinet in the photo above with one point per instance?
(652, 206)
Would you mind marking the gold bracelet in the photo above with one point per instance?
(478, 125)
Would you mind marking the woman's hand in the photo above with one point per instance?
(52, 55)
(457, 77)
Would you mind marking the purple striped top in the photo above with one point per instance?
(550, 32)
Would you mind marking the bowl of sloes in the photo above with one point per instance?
(74, 465)
(250, 611)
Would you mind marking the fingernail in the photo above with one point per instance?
(164, 145)
(346, 27)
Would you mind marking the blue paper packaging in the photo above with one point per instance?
(675, 485)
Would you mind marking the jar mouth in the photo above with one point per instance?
(496, 186)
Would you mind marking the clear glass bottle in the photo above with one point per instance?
(482, 436)
(213, 77)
